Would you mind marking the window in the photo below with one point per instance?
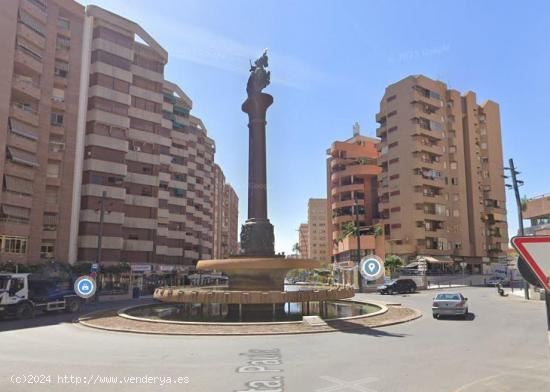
(389, 99)
(63, 23)
(63, 43)
(146, 63)
(113, 36)
(110, 82)
(47, 250)
(111, 59)
(145, 104)
(31, 23)
(144, 125)
(483, 146)
(394, 144)
(107, 106)
(14, 244)
(114, 180)
(456, 213)
(56, 143)
(56, 119)
(147, 84)
(52, 195)
(453, 165)
(58, 95)
(61, 68)
(53, 170)
(454, 180)
(50, 221)
(95, 179)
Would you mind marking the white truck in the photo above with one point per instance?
(21, 296)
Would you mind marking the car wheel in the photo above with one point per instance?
(435, 316)
(25, 311)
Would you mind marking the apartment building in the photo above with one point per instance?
(230, 221)
(191, 186)
(317, 236)
(144, 154)
(303, 240)
(39, 90)
(219, 182)
(352, 170)
(101, 150)
(441, 189)
(537, 210)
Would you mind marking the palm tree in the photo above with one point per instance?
(296, 248)
(393, 262)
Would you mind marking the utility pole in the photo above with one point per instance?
(515, 185)
(100, 236)
(357, 235)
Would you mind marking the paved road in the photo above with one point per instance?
(502, 347)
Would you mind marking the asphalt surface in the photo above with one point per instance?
(502, 346)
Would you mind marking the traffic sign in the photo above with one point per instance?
(85, 286)
(535, 250)
(371, 267)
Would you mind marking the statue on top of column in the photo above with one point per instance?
(259, 76)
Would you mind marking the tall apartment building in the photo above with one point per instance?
(441, 187)
(352, 170)
(226, 217)
(537, 210)
(189, 166)
(303, 240)
(219, 182)
(317, 236)
(230, 221)
(91, 121)
(39, 91)
(144, 150)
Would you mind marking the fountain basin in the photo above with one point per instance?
(257, 273)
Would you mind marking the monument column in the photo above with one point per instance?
(257, 237)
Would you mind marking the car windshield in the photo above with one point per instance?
(448, 297)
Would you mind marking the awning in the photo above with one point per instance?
(23, 130)
(18, 185)
(22, 157)
(414, 264)
(433, 260)
(17, 212)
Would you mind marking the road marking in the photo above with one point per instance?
(342, 385)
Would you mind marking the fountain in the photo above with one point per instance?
(256, 276)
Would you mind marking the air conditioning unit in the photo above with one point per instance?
(137, 148)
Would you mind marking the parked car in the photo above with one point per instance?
(397, 286)
(450, 304)
(493, 281)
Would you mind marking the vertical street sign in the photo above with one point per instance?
(535, 250)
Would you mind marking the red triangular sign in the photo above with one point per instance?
(535, 250)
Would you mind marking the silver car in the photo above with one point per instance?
(450, 304)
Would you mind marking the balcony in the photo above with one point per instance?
(30, 35)
(36, 9)
(422, 97)
(22, 143)
(25, 113)
(26, 85)
(28, 60)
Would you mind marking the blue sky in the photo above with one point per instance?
(330, 62)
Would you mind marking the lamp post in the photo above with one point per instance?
(515, 186)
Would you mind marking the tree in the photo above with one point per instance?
(296, 248)
(393, 262)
